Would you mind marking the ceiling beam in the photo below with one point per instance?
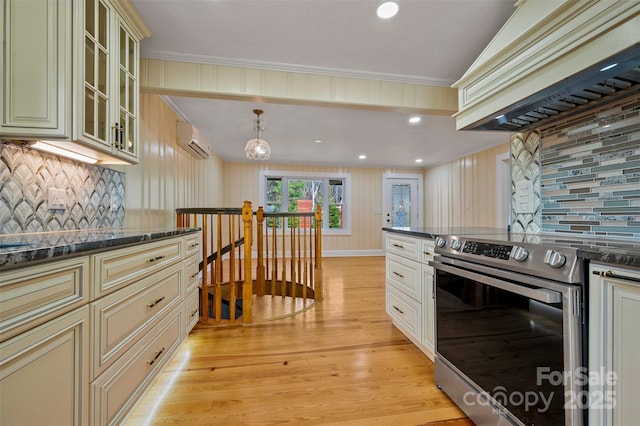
(177, 78)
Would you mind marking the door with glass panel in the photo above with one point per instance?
(401, 198)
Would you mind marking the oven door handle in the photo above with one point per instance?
(539, 294)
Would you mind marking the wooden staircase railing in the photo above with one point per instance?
(287, 267)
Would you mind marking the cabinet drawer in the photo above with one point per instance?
(405, 274)
(427, 250)
(191, 310)
(115, 392)
(405, 311)
(192, 244)
(115, 269)
(192, 271)
(121, 317)
(31, 296)
(404, 246)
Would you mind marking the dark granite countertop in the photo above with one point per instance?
(431, 233)
(18, 250)
(622, 252)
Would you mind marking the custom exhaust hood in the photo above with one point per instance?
(552, 59)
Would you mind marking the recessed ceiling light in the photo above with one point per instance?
(415, 119)
(318, 141)
(362, 156)
(418, 160)
(387, 10)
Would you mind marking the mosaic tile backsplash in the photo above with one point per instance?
(590, 176)
(25, 178)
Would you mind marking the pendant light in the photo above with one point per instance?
(258, 148)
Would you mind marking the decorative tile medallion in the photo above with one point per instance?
(525, 166)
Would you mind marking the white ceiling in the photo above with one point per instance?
(428, 41)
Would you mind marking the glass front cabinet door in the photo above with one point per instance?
(108, 84)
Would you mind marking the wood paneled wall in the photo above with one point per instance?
(463, 192)
(241, 182)
(458, 193)
(167, 177)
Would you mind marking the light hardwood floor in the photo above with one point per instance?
(340, 362)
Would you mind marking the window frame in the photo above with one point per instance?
(263, 175)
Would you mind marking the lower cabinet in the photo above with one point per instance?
(44, 373)
(115, 391)
(614, 345)
(409, 293)
(74, 351)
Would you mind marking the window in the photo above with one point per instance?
(302, 192)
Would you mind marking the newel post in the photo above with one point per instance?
(317, 276)
(247, 286)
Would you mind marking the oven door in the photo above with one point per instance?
(512, 338)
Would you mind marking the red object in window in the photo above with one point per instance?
(305, 206)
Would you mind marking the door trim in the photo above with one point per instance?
(419, 193)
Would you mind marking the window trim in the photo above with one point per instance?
(263, 175)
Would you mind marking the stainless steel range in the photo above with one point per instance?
(509, 311)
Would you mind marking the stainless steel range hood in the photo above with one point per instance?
(552, 59)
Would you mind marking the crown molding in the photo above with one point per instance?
(278, 66)
(167, 100)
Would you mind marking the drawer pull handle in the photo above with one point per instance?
(192, 246)
(398, 309)
(154, 259)
(155, 358)
(610, 274)
(398, 274)
(426, 253)
(397, 245)
(194, 275)
(195, 311)
(155, 302)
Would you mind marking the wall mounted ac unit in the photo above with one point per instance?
(190, 139)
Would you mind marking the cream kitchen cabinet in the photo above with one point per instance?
(36, 77)
(107, 51)
(44, 373)
(428, 305)
(34, 295)
(95, 44)
(409, 295)
(120, 318)
(84, 336)
(614, 345)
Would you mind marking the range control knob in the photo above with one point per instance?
(456, 244)
(554, 259)
(519, 253)
(440, 242)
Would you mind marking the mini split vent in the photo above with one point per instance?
(192, 141)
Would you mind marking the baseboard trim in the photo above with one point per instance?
(352, 253)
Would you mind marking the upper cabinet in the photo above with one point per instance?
(36, 69)
(100, 114)
(107, 69)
